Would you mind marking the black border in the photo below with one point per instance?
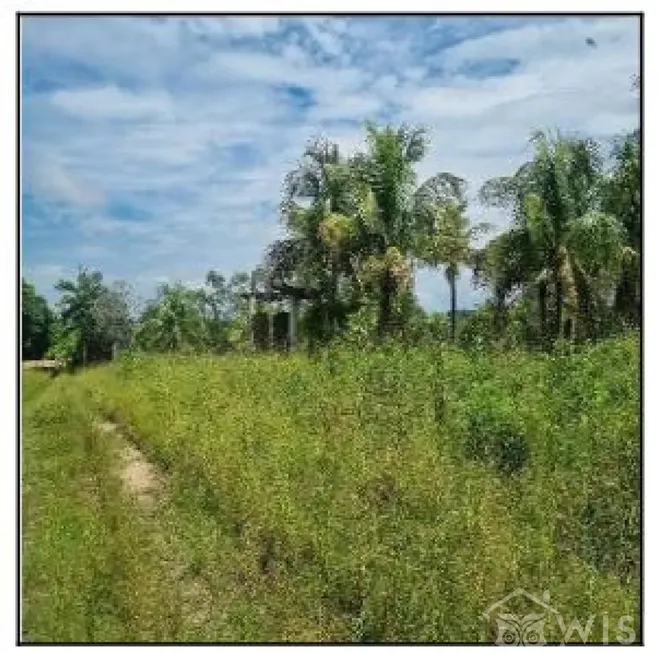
(411, 14)
(376, 14)
(641, 334)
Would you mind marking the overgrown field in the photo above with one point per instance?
(89, 571)
(388, 495)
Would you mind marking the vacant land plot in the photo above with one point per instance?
(391, 495)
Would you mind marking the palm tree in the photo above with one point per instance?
(576, 248)
(446, 236)
(505, 264)
(387, 222)
(317, 199)
(622, 198)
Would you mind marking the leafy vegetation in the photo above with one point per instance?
(415, 470)
(568, 267)
(92, 319)
(390, 495)
(88, 573)
(37, 321)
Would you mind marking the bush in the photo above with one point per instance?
(476, 330)
(495, 439)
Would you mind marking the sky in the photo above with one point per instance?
(154, 148)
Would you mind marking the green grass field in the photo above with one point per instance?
(384, 495)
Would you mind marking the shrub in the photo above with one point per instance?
(495, 439)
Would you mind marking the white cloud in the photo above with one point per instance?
(481, 127)
(112, 103)
(295, 54)
(235, 26)
(93, 251)
(464, 97)
(254, 67)
(129, 48)
(99, 225)
(565, 41)
(48, 178)
(252, 25)
(351, 105)
(201, 141)
(329, 42)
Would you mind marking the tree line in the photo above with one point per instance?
(357, 229)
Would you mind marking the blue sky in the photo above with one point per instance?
(154, 148)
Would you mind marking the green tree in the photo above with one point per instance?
(93, 317)
(173, 322)
(386, 219)
(316, 256)
(576, 248)
(354, 227)
(447, 237)
(504, 266)
(622, 198)
(65, 342)
(36, 323)
(112, 314)
(215, 305)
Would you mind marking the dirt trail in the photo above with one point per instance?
(141, 479)
(147, 485)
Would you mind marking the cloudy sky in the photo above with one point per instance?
(154, 149)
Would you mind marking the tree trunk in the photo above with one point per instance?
(293, 323)
(584, 326)
(271, 339)
(452, 300)
(586, 319)
(387, 289)
(626, 299)
(333, 300)
(559, 300)
(543, 311)
(499, 313)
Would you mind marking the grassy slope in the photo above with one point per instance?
(386, 495)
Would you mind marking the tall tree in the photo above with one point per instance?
(112, 314)
(388, 221)
(577, 248)
(239, 329)
(314, 256)
(173, 322)
(36, 323)
(504, 265)
(215, 304)
(446, 236)
(622, 198)
(93, 317)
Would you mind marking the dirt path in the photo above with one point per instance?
(140, 478)
(147, 485)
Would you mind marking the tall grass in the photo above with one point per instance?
(394, 494)
(88, 569)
